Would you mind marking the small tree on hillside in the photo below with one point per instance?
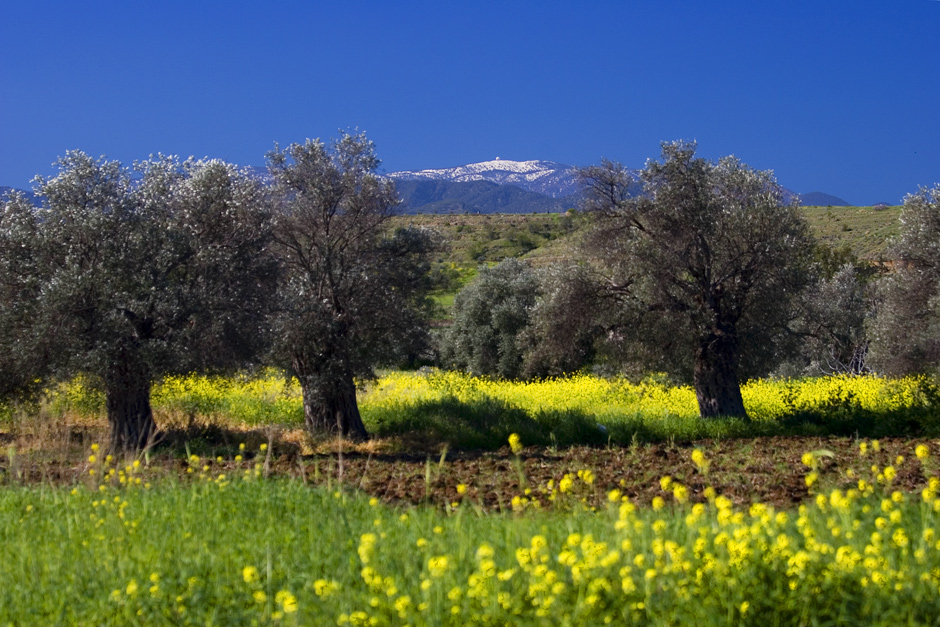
(706, 264)
(353, 294)
(907, 327)
(489, 315)
(129, 280)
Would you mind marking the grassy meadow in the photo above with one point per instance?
(472, 240)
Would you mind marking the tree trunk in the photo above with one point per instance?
(127, 398)
(331, 407)
(715, 375)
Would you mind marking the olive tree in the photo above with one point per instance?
(490, 313)
(907, 327)
(706, 265)
(833, 325)
(354, 292)
(23, 350)
(567, 324)
(127, 276)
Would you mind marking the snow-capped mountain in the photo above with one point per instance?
(551, 179)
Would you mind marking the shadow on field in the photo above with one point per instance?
(909, 422)
(487, 424)
(211, 440)
(842, 414)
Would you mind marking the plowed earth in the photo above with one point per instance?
(767, 470)
(761, 470)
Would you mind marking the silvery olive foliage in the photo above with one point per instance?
(129, 274)
(906, 333)
(354, 292)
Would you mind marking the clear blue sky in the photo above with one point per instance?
(840, 96)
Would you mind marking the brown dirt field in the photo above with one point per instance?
(768, 470)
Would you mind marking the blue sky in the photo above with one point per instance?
(833, 95)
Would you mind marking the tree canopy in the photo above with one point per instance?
(705, 266)
(354, 294)
(127, 275)
(907, 329)
(490, 313)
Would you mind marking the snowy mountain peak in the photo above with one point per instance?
(544, 177)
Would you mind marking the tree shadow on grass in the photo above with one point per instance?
(863, 423)
(487, 423)
(212, 440)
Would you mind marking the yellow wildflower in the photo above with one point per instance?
(250, 574)
(680, 493)
(286, 600)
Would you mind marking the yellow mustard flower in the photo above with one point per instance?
(250, 574)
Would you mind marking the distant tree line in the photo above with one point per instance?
(708, 274)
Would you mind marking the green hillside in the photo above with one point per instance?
(866, 230)
(472, 240)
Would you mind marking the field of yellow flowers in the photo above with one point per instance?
(586, 409)
(479, 413)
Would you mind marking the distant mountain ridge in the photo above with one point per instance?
(495, 186)
(520, 184)
(479, 196)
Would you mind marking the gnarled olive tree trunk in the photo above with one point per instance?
(715, 377)
(127, 399)
(330, 404)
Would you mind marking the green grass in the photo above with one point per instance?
(472, 240)
(221, 545)
(247, 551)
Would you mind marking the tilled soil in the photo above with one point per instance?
(767, 470)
